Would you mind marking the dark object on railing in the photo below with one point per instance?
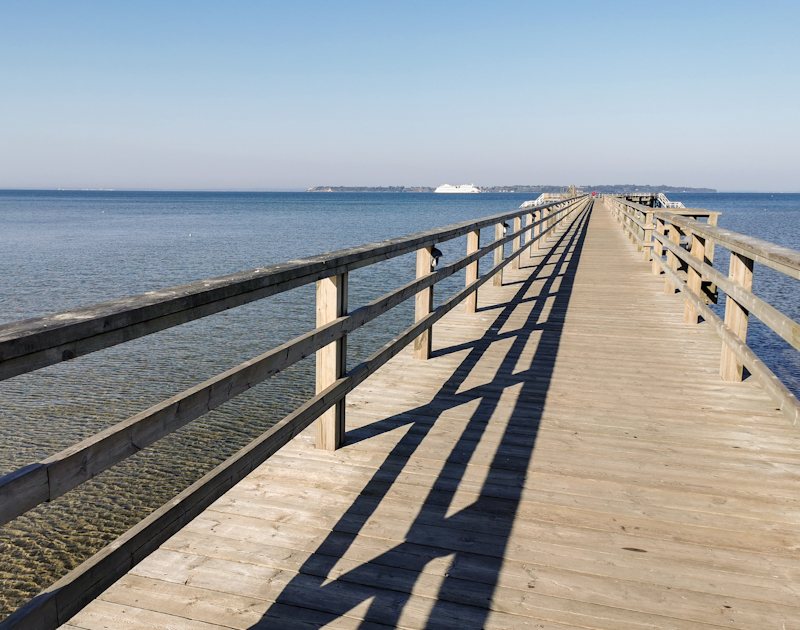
(435, 256)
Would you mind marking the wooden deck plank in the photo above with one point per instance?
(727, 577)
(568, 457)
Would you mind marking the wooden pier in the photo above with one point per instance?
(566, 455)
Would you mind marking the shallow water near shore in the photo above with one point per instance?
(61, 250)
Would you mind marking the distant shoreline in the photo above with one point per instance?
(611, 189)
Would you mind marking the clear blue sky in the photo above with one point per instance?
(287, 95)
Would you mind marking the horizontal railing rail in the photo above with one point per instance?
(663, 232)
(46, 480)
(35, 343)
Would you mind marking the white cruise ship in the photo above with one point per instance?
(463, 188)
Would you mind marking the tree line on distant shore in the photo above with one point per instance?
(605, 188)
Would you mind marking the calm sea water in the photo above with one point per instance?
(60, 250)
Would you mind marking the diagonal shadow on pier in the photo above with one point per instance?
(475, 537)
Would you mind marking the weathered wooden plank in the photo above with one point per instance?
(498, 254)
(23, 490)
(640, 595)
(473, 245)
(516, 242)
(423, 305)
(736, 316)
(529, 519)
(190, 602)
(331, 361)
(562, 489)
(235, 537)
(694, 280)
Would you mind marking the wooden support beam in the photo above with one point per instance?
(648, 235)
(658, 248)
(709, 258)
(736, 316)
(646, 232)
(473, 245)
(638, 230)
(695, 280)
(536, 231)
(331, 360)
(528, 235)
(672, 259)
(712, 220)
(516, 243)
(423, 305)
(548, 222)
(497, 281)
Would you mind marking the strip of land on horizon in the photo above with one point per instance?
(610, 189)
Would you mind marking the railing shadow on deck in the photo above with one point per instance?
(477, 536)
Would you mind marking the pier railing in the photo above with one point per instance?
(35, 343)
(688, 267)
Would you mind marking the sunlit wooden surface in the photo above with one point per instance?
(568, 458)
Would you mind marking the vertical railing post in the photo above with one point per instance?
(497, 280)
(672, 260)
(529, 233)
(515, 249)
(423, 305)
(331, 360)
(631, 229)
(537, 216)
(712, 220)
(648, 236)
(695, 279)
(626, 222)
(640, 232)
(546, 225)
(658, 248)
(473, 245)
(709, 254)
(736, 316)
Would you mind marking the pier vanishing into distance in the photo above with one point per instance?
(566, 443)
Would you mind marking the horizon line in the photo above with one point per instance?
(302, 190)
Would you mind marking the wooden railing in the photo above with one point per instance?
(35, 343)
(657, 231)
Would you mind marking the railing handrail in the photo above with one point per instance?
(637, 220)
(781, 324)
(682, 211)
(737, 285)
(31, 485)
(779, 258)
(776, 257)
(38, 342)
